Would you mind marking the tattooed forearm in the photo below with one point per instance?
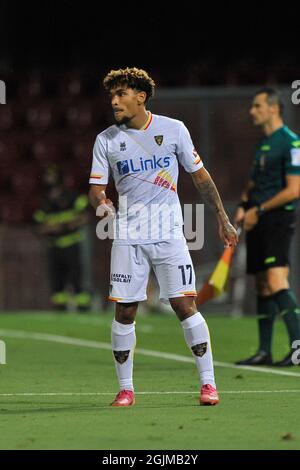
(208, 191)
(210, 195)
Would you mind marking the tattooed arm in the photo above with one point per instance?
(209, 194)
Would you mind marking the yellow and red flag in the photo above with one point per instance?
(216, 284)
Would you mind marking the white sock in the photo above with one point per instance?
(123, 343)
(197, 338)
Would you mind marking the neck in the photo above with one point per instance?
(139, 120)
(272, 126)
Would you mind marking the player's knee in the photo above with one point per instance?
(184, 307)
(125, 313)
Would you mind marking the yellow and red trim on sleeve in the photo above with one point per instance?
(96, 177)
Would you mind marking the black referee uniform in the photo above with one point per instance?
(268, 242)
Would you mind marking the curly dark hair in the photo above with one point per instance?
(134, 78)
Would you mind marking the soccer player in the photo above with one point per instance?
(267, 211)
(141, 152)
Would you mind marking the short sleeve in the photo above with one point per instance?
(186, 153)
(292, 158)
(100, 166)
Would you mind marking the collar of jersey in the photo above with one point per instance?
(148, 122)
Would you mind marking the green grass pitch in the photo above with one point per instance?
(55, 389)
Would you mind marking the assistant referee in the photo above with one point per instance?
(267, 211)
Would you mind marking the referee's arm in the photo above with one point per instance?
(288, 194)
(245, 194)
(241, 209)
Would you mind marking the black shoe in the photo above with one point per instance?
(286, 361)
(260, 358)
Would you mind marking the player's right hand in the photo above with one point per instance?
(106, 209)
(228, 233)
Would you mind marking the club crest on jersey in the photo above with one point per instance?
(159, 139)
(122, 146)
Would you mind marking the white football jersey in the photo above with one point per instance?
(144, 166)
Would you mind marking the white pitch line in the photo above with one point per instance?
(145, 352)
(69, 394)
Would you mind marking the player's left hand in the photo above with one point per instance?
(228, 233)
(251, 219)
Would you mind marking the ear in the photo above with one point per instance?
(141, 97)
(275, 108)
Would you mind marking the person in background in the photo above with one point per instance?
(267, 211)
(61, 218)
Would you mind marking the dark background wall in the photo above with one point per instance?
(207, 60)
(203, 42)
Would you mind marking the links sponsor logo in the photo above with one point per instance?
(121, 278)
(129, 166)
(2, 92)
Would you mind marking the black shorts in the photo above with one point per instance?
(268, 244)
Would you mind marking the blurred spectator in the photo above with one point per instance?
(31, 88)
(61, 218)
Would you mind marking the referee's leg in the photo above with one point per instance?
(288, 308)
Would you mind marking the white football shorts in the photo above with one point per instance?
(131, 265)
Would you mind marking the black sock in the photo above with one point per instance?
(289, 311)
(266, 313)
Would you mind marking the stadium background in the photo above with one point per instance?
(207, 65)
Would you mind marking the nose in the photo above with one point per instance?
(114, 101)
